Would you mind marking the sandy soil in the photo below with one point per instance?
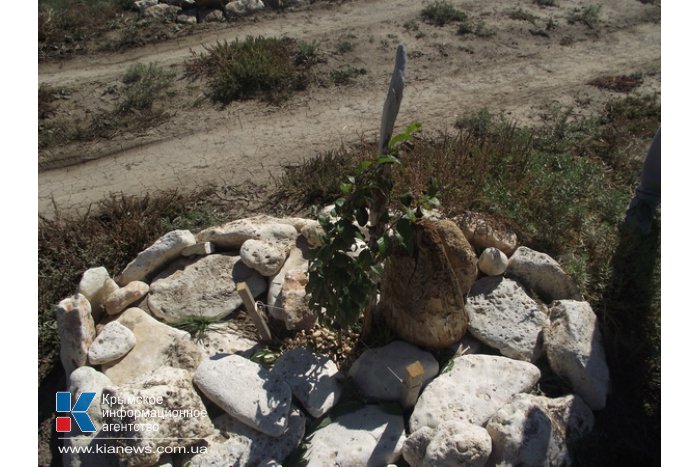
(515, 71)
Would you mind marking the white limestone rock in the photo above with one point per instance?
(91, 284)
(224, 339)
(185, 18)
(483, 231)
(120, 299)
(87, 379)
(295, 302)
(413, 450)
(142, 5)
(150, 260)
(233, 234)
(173, 392)
(115, 341)
(503, 316)
(493, 262)
(162, 12)
(367, 437)
(542, 274)
(155, 342)
(371, 371)
(534, 431)
(202, 286)
(265, 257)
(295, 263)
(76, 331)
(198, 249)
(213, 15)
(472, 390)
(235, 443)
(247, 392)
(313, 233)
(574, 347)
(456, 444)
(243, 7)
(313, 378)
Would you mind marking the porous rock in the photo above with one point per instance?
(115, 341)
(372, 372)
(233, 234)
(172, 389)
(155, 341)
(493, 262)
(574, 347)
(120, 299)
(295, 302)
(368, 437)
(221, 338)
(483, 231)
(472, 390)
(202, 286)
(295, 263)
(235, 443)
(150, 260)
(265, 257)
(247, 392)
(503, 316)
(162, 12)
(456, 444)
(76, 331)
(542, 274)
(459, 252)
(313, 378)
(413, 450)
(534, 431)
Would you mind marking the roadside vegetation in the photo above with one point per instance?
(441, 13)
(139, 106)
(269, 68)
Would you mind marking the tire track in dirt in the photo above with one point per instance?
(254, 145)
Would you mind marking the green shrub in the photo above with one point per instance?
(344, 47)
(345, 76)
(441, 13)
(477, 28)
(590, 16)
(144, 85)
(253, 67)
(307, 54)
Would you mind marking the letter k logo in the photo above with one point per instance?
(79, 412)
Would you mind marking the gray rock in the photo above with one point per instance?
(574, 347)
(76, 331)
(141, 5)
(493, 262)
(108, 288)
(221, 338)
(295, 302)
(313, 378)
(243, 7)
(265, 257)
(168, 391)
(483, 232)
(371, 372)
(313, 233)
(534, 431)
(201, 286)
(247, 392)
(165, 249)
(87, 379)
(162, 12)
(212, 16)
(503, 316)
(187, 19)
(472, 390)
(539, 272)
(413, 450)
(115, 341)
(120, 299)
(295, 263)
(237, 444)
(456, 444)
(198, 249)
(155, 342)
(233, 234)
(368, 437)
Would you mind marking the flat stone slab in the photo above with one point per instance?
(372, 372)
(247, 392)
(223, 339)
(155, 341)
(202, 286)
(235, 443)
(165, 249)
(574, 346)
(472, 390)
(503, 316)
(532, 431)
(313, 378)
(367, 437)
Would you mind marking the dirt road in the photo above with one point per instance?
(516, 70)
